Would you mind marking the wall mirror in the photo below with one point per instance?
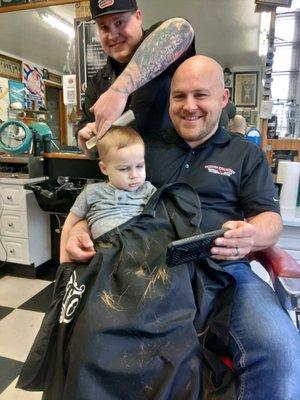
(35, 40)
(27, 35)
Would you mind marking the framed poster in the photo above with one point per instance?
(245, 89)
(4, 99)
(16, 93)
(34, 86)
(10, 68)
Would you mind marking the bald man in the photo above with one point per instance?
(235, 186)
(237, 125)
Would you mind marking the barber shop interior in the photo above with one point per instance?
(187, 287)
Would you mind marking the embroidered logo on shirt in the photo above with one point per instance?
(216, 169)
(105, 3)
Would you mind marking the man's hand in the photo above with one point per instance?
(79, 247)
(107, 109)
(236, 243)
(85, 134)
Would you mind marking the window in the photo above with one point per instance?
(285, 85)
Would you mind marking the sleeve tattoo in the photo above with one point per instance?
(159, 50)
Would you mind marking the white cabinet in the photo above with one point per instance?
(24, 227)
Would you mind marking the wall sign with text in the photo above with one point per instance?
(10, 68)
(90, 56)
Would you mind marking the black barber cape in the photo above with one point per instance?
(128, 327)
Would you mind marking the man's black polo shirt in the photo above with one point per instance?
(230, 174)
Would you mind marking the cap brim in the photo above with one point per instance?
(111, 12)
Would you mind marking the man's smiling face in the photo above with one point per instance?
(197, 98)
(120, 34)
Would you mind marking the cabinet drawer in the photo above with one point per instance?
(12, 197)
(14, 223)
(14, 250)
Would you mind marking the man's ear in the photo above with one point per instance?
(225, 98)
(103, 168)
(138, 17)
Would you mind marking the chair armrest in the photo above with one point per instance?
(277, 262)
(284, 272)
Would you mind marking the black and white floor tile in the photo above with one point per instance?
(23, 303)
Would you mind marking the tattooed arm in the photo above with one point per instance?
(159, 50)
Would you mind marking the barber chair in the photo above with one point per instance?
(284, 273)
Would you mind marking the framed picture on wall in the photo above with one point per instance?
(245, 89)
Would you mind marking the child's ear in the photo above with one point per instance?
(103, 168)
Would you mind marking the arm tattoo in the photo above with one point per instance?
(159, 50)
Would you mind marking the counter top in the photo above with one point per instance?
(291, 217)
(74, 156)
(23, 181)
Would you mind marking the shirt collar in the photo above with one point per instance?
(220, 137)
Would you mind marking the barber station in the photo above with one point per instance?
(149, 200)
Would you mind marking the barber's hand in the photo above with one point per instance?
(85, 134)
(107, 109)
(80, 248)
(236, 243)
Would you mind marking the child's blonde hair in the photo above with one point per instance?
(116, 138)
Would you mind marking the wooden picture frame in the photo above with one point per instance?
(245, 89)
(10, 68)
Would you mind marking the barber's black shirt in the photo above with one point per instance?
(150, 103)
(230, 174)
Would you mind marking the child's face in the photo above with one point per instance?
(125, 167)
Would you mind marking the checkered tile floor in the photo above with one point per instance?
(23, 303)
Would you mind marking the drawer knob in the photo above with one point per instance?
(11, 251)
(10, 224)
(9, 197)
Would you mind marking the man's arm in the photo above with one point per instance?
(268, 229)
(157, 52)
(255, 234)
(76, 243)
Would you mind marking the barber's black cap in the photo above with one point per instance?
(105, 7)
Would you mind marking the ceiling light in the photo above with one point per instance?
(57, 22)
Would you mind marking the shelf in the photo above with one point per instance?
(28, 110)
(38, 4)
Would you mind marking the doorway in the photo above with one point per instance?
(56, 113)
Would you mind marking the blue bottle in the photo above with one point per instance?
(254, 136)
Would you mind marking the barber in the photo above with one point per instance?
(138, 71)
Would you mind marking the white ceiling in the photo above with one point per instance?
(227, 30)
